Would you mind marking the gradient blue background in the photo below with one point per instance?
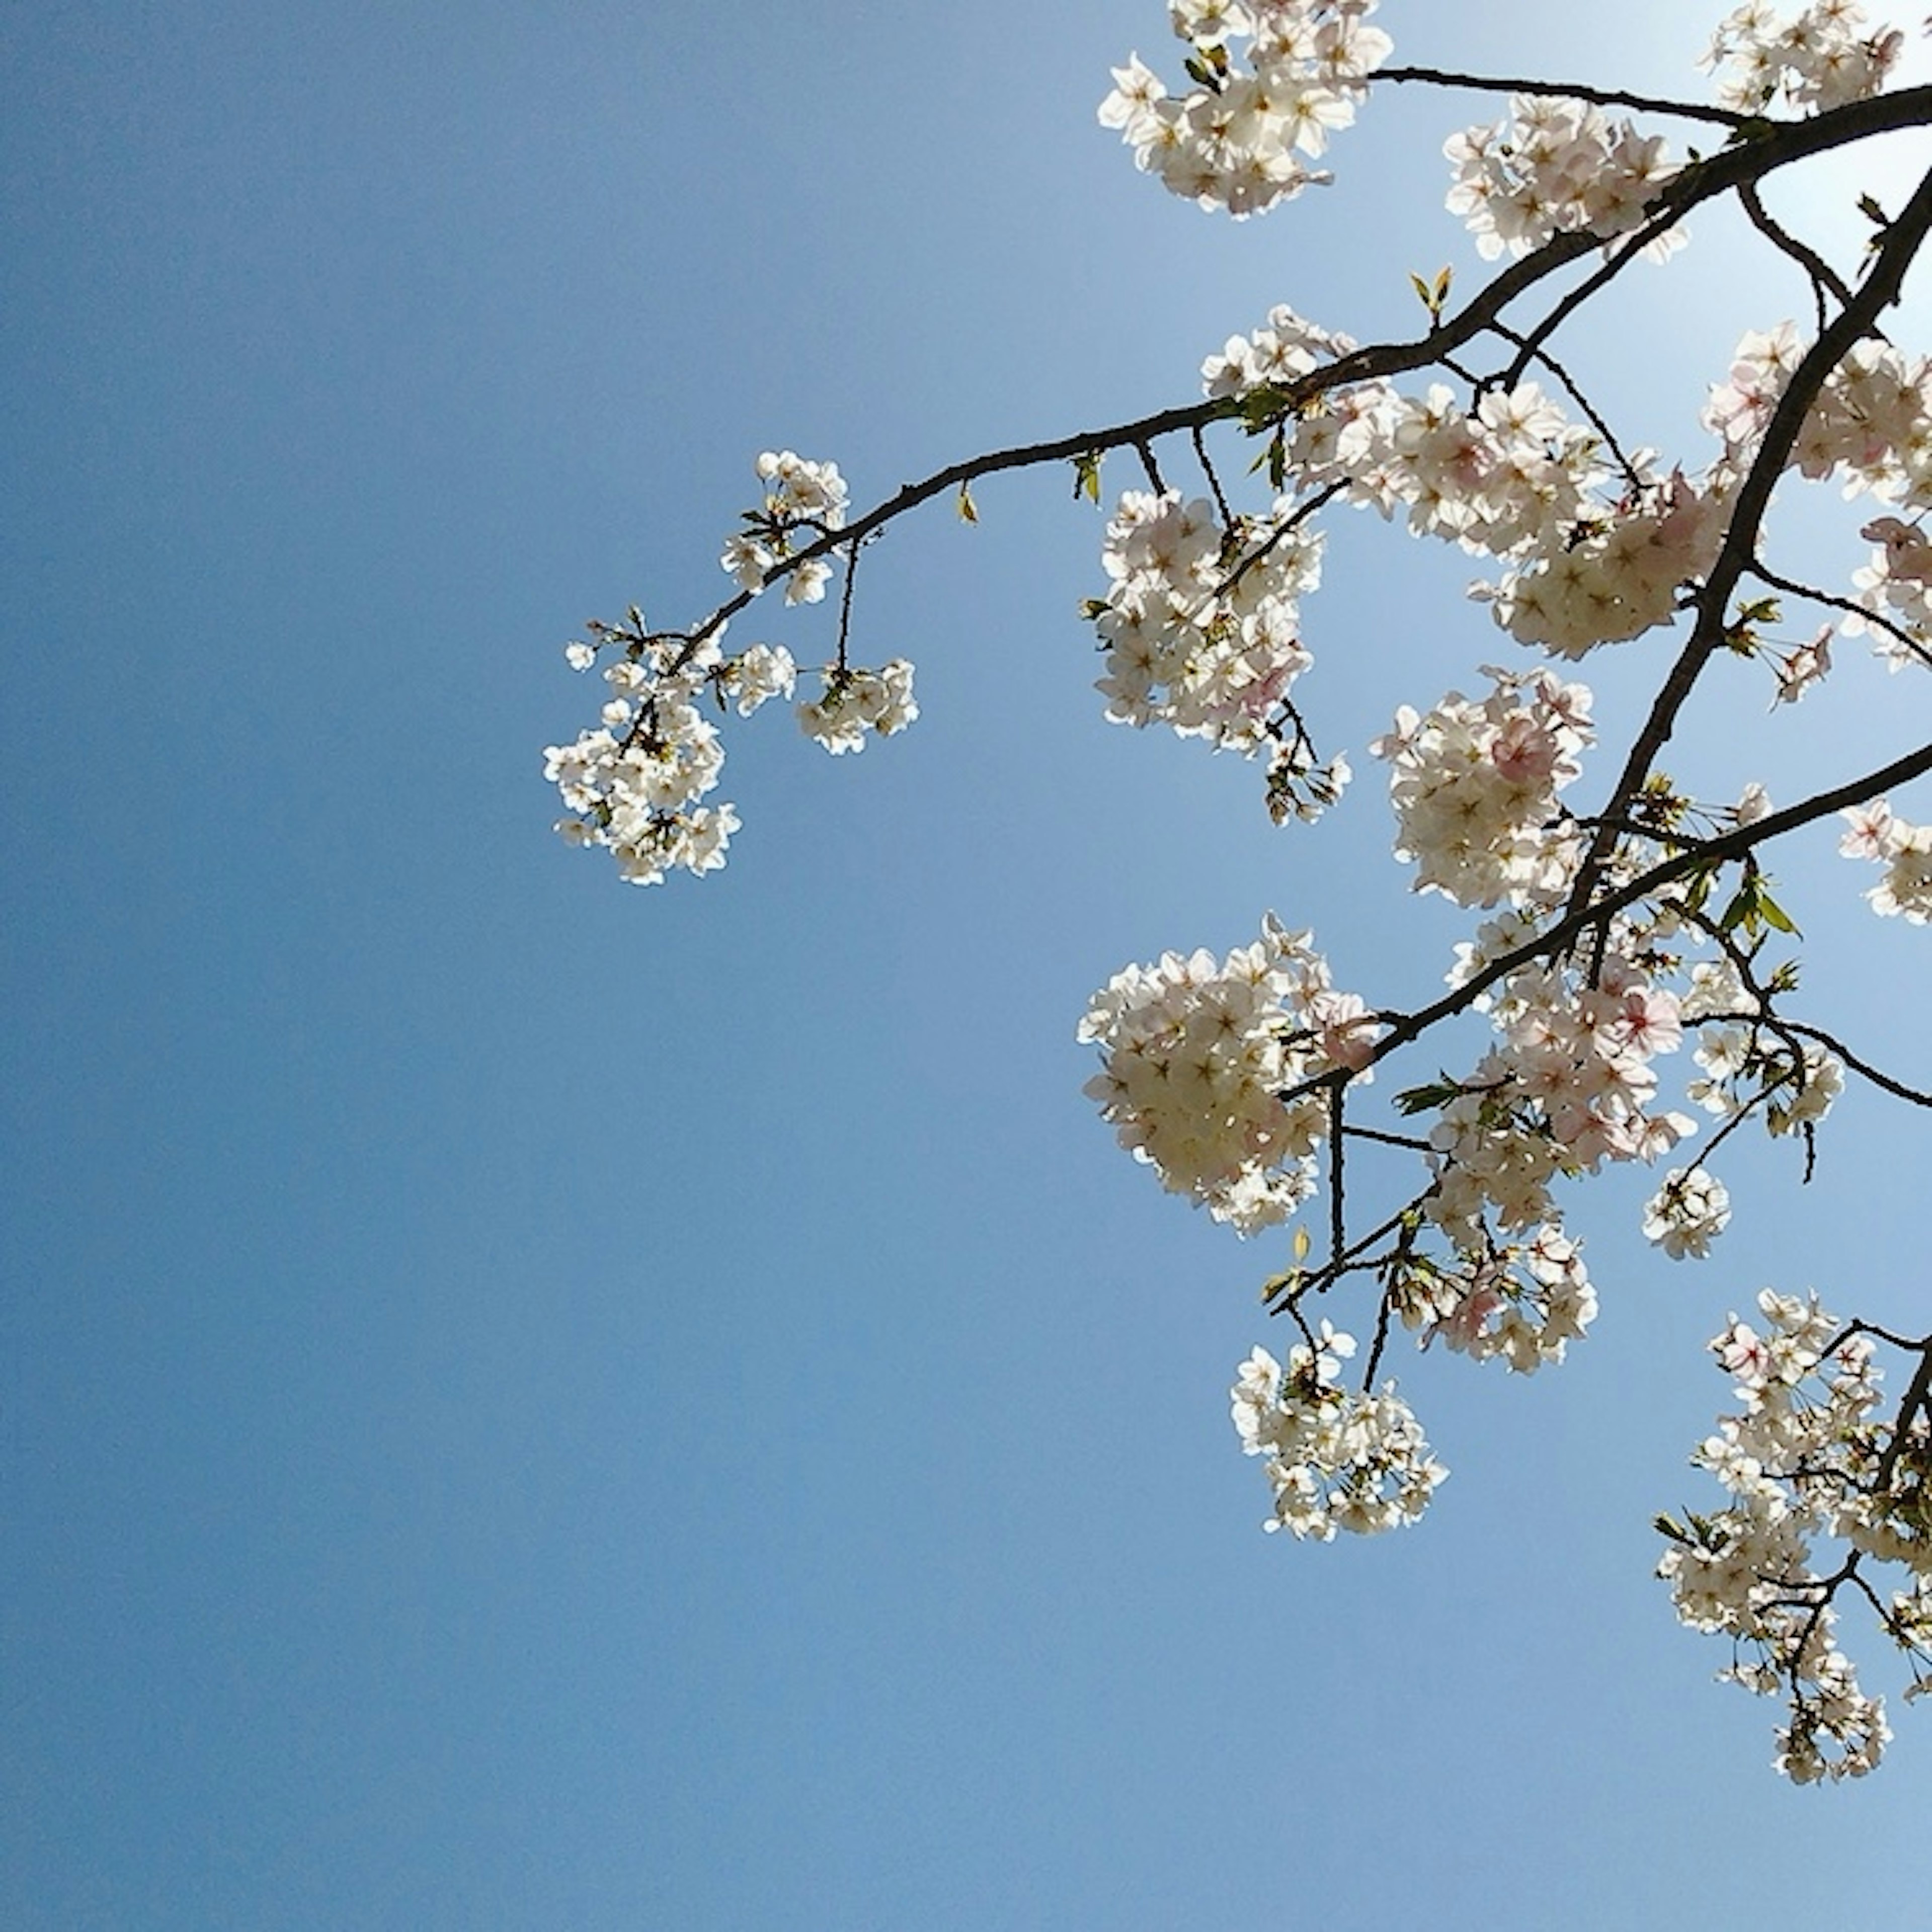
(531, 1404)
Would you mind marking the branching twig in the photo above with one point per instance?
(1878, 290)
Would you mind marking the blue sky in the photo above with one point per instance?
(531, 1404)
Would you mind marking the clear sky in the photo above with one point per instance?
(530, 1404)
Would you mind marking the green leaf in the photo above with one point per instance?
(1774, 914)
(968, 511)
(1087, 476)
(1438, 1092)
(1742, 911)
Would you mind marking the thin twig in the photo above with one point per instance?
(1598, 96)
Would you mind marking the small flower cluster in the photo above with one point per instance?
(1904, 849)
(1520, 1303)
(1556, 166)
(1234, 140)
(855, 703)
(1871, 421)
(1493, 479)
(1336, 1460)
(633, 784)
(1814, 60)
(1511, 478)
(1202, 632)
(1195, 1055)
(1897, 585)
(1605, 579)
(1474, 785)
(1686, 1213)
(802, 498)
(1568, 1086)
(1806, 1458)
(1284, 346)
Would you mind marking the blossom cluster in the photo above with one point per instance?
(1474, 783)
(1556, 166)
(1567, 1086)
(1335, 1459)
(1510, 477)
(1202, 632)
(1815, 59)
(1234, 140)
(1903, 849)
(1687, 1212)
(632, 784)
(1196, 1054)
(802, 498)
(1897, 586)
(1871, 421)
(1606, 579)
(1520, 1303)
(857, 703)
(1807, 1457)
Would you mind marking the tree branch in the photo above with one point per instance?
(1878, 290)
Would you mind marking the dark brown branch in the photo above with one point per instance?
(1622, 250)
(1898, 1089)
(1878, 290)
(1822, 274)
(1874, 618)
(1598, 97)
(1783, 143)
(1405, 1028)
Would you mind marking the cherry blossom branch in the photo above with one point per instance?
(1878, 290)
(1620, 253)
(1877, 1076)
(1598, 96)
(1213, 481)
(1780, 145)
(1875, 619)
(1536, 353)
(1405, 1029)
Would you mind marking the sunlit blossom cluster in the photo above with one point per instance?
(1897, 585)
(1473, 783)
(1606, 579)
(1813, 59)
(1202, 630)
(1336, 1458)
(1567, 1086)
(632, 784)
(1807, 1457)
(1556, 166)
(802, 499)
(1196, 1054)
(1519, 1302)
(1687, 1212)
(1272, 79)
(859, 704)
(1904, 849)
